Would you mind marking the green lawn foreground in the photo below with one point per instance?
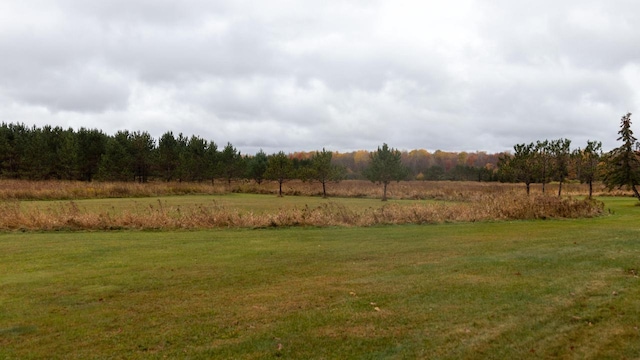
(526, 289)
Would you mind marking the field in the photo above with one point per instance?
(64, 206)
(556, 288)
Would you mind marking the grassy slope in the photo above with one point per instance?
(565, 288)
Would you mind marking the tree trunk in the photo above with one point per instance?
(635, 191)
(528, 188)
(560, 189)
(590, 189)
(324, 190)
(384, 192)
(280, 188)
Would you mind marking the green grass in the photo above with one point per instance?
(256, 203)
(524, 289)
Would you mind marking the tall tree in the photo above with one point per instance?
(168, 156)
(623, 163)
(561, 151)
(521, 166)
(196, 159)
(542, 162)
(587, 162)
(117, 163)
(231, 163)
(211, 158)
(280, 169)
(141, 148)
(257, 166)
(385, 166)
(67, 154)
(323, 171)
(91, 146)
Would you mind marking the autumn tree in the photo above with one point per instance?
(323, 171)
(587, 162)
(280, 169)
(384, 167)
(623, 163)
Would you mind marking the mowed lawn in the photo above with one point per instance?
(502, 290)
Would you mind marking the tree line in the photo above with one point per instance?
(35, 153)
(545, 161)
(42, 153)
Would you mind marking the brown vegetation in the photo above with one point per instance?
(416, 190)
(462, 202)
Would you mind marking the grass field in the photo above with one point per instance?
(502, 290)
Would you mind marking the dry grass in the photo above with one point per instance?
(71, 190)
(416, 190)
(479, 207)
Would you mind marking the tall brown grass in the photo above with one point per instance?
(484, 207)
(439, 190)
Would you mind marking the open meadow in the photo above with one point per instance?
(563, 287)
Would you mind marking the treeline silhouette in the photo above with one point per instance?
(42, 153)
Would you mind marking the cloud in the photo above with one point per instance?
(286, 75)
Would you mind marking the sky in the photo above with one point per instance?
(287, 75)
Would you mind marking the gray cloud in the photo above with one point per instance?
(290, 76)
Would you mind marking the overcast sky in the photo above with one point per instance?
(454, 75)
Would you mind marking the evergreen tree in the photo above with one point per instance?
(541, 163)
(561, 152)
(323, 171)
(141, 151)
(116, 164)
(196, 160)
(521, 166)
(168, 156)
(257, 166)
(385, 166)
(587, 162)
(211, 161)
(280, 169)
(623, 163)
(67, 155)
(13, 143)
(91, 145)
(231, 163)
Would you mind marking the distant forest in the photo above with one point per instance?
(35, 153)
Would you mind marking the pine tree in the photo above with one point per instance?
(587, 162)
(323, 171)
(385, 166)
(280, 169)
(623, 163)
